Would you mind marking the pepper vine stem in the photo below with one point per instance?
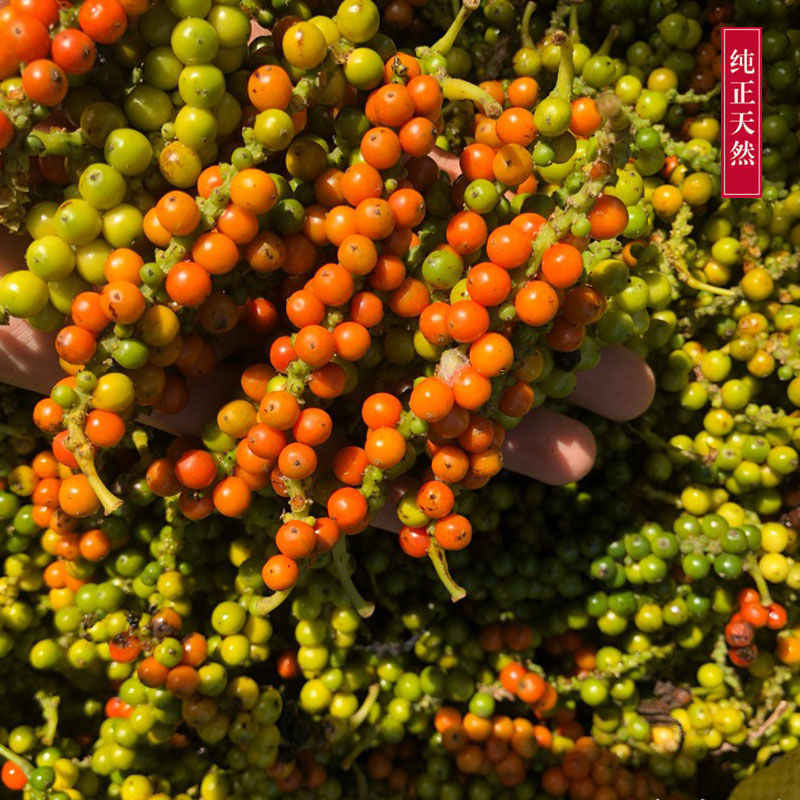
(49, 705)
(17, 759)
(365, 608)
(445, 44)
(458, 89)
(363, 710)
(439, 560)
(55, 142)
(751, 565)
(83, 450)
(526, 40)
(266, 605)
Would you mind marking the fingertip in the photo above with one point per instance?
(206, 397)
(386, 518)
(28, 357)
(447, 162)
(621, 387)
(550, 448)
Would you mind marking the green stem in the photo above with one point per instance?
(299, 501)
(694, 97)
(83, 451)
(439, 560)
(55, 142)
(445, 44)
(566, 684)
(751, 565)
(364, 607)
(15, 433)
(49, 705)
(458, 89)
(673, 249)
(605, 47)
(574, 27)
(300, 94)
(566, 69)
(21, 762)
(371, 485)
(525, 38)
(363, 709)
(694, 283)
(266, 605)
(358, 749)
(140, 442)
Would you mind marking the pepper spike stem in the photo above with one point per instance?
(17, 759)
(55, 142)
(574, 28)
(349, 760)
(364, 607)
(611, 36)
(700, 286)
(300, 94)
(752, 567)
(49, 705)
(566, 69)
(140, 442)
(266, 605)
(458, 89)
(83, 451)
(445, 44)
(369, 701)
(439, 560)
(526, 40)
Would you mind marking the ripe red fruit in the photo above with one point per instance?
(414, 541)
(27, 38)
(776, 616)
(743, 656)
(754, 613)
(739, 634)
(45, 82)
(104, 20)
(73, 51)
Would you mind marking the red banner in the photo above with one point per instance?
(741, 112)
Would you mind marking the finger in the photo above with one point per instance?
(12, 251)
(620, 387)
(550, 448)
(447, 162)
(28, 357)
(206, 397)
(546, 446)
(386, 518)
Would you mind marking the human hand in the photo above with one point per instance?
(28, 359)
(547, 446)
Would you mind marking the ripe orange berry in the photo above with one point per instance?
(491, 355)
(296, 539)
(280, 573)
(608, 217)
(536, 303)
(385, 447)
(347, 507)
(76, 496)
(453, 532)
(431, 399)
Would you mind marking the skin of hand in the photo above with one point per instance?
(547, 446)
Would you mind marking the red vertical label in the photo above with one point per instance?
(741, 112)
